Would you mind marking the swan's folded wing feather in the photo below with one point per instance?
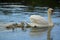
(38, 20)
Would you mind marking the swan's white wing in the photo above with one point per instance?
(38, 20)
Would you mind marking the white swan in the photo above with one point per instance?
(39, 21)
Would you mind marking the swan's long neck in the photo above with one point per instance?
(49, 19)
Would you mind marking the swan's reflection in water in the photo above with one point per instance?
(38, 34)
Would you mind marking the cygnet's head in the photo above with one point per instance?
(50, 10)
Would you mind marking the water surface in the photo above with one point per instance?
(18, 13)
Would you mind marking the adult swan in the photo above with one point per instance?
(39, 21)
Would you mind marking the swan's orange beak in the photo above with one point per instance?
(52, 12)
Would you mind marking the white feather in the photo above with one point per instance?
(39, 21)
